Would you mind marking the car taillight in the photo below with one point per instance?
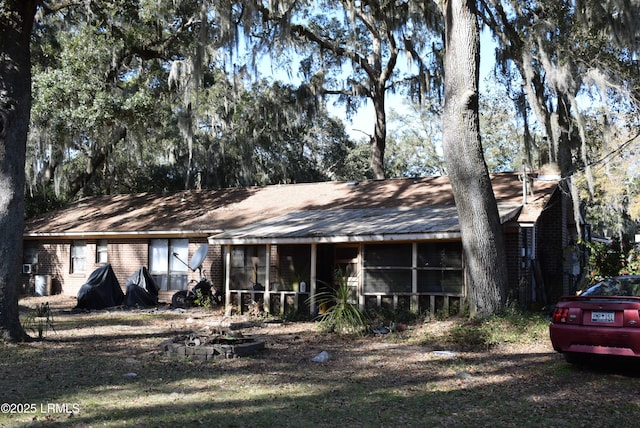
(560, 315)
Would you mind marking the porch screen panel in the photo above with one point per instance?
(387, 281)
(443, 281)
(294, 263)
(439, 255)
(388, 255)
(387, 268)
(248, 266)
(440, 268)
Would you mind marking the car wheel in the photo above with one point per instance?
(574, 358)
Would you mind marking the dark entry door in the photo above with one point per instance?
(347, 262)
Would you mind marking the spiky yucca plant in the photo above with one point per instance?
(341, 316)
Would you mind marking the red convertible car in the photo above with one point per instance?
(602, 320)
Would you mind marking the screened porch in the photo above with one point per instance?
(283, 278)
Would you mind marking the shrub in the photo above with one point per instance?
(40, 320)
(341, 316)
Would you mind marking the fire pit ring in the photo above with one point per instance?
(198, 348)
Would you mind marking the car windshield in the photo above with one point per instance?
(618, 286)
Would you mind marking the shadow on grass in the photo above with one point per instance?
(119, 376)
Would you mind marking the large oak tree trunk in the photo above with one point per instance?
(482, 238)
(16, 20)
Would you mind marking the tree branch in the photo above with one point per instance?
(302, 31)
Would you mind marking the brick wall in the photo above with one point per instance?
(214, 265)
(127, 256)
(550, 242)
(53, 258)
(513, 244)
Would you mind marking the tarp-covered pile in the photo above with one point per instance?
(101, 290)
(141, 289)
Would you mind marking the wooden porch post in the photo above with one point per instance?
(414, 278)
(360, 277)
(227, 279)
(267, 298)
(313, 279)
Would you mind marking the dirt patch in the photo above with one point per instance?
(111, 365)
(286, 341)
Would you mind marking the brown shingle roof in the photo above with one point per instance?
(208, 212)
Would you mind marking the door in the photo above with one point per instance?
(347, 269)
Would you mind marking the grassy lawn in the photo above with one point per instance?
(107, 369)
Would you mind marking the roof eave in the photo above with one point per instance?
(114, 234)
(335, 239)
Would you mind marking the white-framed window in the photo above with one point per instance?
(78, 256)
(168, 260)
(102, 255)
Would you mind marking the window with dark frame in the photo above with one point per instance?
(29, 258)
(30, 253)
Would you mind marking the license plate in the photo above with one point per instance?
(602, 317)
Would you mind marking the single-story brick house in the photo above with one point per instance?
(396, 241)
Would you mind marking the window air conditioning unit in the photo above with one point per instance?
(26, 268)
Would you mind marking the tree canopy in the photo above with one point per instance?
(560, 60)
(357, 51)
(117, 112)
